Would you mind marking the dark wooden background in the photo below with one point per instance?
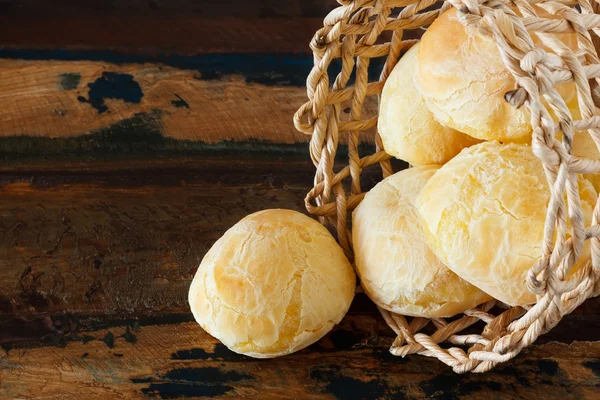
(132, 135)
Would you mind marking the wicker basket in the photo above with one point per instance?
(360, 30)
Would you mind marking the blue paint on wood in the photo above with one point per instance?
(346, 387)
(594, 366)
(129, 337)
(220, 353)
(180, 102)
(140, 134)
(109, 339)
(112, 86)
(261, 68)
(193, 382)
(69, 81)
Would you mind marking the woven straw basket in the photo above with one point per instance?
(360, 30)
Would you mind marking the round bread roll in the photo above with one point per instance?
(484, 214)
(407, 128)
(273, 284)
(462, 78)
(398, 270)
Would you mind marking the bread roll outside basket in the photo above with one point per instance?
(357, 32)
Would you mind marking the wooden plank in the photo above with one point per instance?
(127, 242)
(205, 8)
(159, 34)
(95, 242)
(125, 237)
(177, 360)
(37, 330)
(210, 99)
(183, 27)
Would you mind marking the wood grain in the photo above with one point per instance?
(237, 98)
(97, 249)
(125, 237)
(95, 264)
(179, 360)
(107, 238)
(127, 242)
(154, 34)
(208, 8)
(183, 27)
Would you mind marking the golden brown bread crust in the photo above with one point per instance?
(484, 213)
(463, 80)
(275, 283)
(397, 268)
(407, 128)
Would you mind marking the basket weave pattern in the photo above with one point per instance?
(353, 33)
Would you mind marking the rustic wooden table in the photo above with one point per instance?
(132, 135)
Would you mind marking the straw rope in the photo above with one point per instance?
(351, 33)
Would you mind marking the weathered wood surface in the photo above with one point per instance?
(179, 34)
(208, 8)
(209, 100)
(96, 259)
(126, 237)
(62, 99)
(178, 360)
(205, 72)
(118, 237)
(133, 134)
(181, 27)
(193, 72)
(127, 241)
